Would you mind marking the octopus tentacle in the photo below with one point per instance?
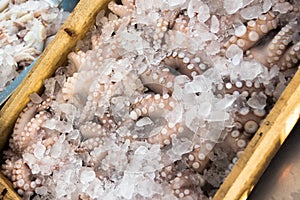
(165, 135)
(185, 63)
(152, 105)
(279, 43)
(75, 86)
(92, 143)
(245, 88)
(30, 131)
(167, 173)
(185, 182)
(122, 10)
(180, 24)
(76, 60)
(291, 57)
(107, 121)
(164, 23)
(99, 92)
(247, 37)
(250, 120)
(21, 177)
(26, 115)
(45, 105)
(274, 53)
(160, 80)
(236, 140)
(91, 130)
(160, 31)
(197, 159)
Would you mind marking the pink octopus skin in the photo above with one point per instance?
(254, 31)
(277, 52)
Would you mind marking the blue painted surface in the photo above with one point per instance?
(67, 5)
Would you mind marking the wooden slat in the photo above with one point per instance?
(6, 190)
(262, 148)
(75, 28)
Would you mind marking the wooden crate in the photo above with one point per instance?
(245, 173)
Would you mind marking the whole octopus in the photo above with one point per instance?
(116, 99)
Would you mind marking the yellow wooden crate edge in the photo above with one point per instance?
(264, 145)
(245, 173)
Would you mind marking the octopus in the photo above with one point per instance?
(152, 105)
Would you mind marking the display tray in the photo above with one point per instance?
(246, 172)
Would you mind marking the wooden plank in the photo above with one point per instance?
(6, 190)
(75, 28)
(262, 148)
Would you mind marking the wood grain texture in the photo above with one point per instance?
(6, 190)
(262, 148)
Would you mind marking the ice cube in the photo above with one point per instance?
(181, 146)
(176, 3)
(203, 13)
(250, 70)
(87, 175)
(199, 84)
(267, 4)
(225, 102)
(35, 98)
(283, 7)
(257, 101)
(41, 190)
(231, 6)
(144, 121)
(214, 24)
(251, 12)
(126, 188)
(39, 151)
(235, 54)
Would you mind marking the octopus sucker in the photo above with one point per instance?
(281, 51)
(91, 130)
(21, 177)
(250, 122)
(26, 115)
(122, 10)
(197, 159)
(290, 58)
(76, 60)
(254, 31)
(236, 140)
(30, 131)
(165, 135)
(185, 63)
(152, 105)
(159, 80)
(244, 88)
(185, 182)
